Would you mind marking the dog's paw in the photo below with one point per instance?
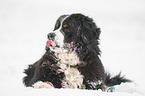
(41, 84)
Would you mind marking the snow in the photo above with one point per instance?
(24, 25)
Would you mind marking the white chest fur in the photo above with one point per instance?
(73, 78)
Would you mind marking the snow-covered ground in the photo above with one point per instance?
(24, 25)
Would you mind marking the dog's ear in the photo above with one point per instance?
(89, 31)
(90, 35)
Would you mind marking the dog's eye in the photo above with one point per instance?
(65, 26)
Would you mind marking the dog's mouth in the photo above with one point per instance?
(55, 40)
(50, 43)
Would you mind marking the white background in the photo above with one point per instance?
(24, 25)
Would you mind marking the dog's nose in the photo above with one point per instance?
(51, 36)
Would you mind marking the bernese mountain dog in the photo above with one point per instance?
(72, 57)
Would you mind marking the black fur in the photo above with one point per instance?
(116, 80)
(44, 70)
(83, 32)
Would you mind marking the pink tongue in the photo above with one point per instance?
(49, 43)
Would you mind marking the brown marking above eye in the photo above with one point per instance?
(57, 24)
(65, 25)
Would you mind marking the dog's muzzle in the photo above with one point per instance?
(55, 39)
(50, 41)
(51, 36)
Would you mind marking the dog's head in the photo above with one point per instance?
(73, 29)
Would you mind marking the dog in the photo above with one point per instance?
(72, 57)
